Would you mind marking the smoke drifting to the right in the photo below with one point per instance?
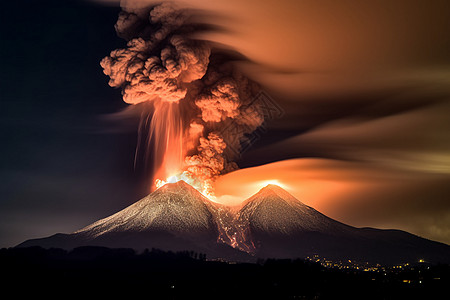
(190, 94)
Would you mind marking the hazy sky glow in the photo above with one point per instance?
(366, 90)
(365, 87)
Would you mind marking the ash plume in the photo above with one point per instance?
(189, 90)
(159, 61)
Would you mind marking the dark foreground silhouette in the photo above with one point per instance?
(98, 272)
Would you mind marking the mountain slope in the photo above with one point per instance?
(274, 211)
(175, 217)
(271, 223)
(281, 226)
(176, 208)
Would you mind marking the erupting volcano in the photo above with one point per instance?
(189, 94)
(197, 111)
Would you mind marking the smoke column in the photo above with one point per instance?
(190, 94)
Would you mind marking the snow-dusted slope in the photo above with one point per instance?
(279, 225)
(175, 217)
(176, 208)
(271, 223)
(274, 211)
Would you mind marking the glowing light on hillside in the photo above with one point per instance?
(202, 187)
(265, 183)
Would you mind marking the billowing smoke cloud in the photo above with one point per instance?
(191, 85)
(158, 63)
(221, 103)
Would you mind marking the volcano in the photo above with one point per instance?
(270, 224)
(175, 217)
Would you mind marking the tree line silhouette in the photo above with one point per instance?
(156, 274)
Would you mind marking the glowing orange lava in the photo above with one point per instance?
(189, 179)
(170, 143)
(166, 138)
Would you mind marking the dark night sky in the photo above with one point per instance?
(364, 86)
(63, 164)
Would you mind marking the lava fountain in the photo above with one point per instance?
(164, 138)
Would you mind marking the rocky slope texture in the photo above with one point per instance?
(271, 223)
(281, 226)
(175, 217)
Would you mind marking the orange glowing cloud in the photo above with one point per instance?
(304, 178)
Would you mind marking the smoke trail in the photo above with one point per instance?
(193, 89)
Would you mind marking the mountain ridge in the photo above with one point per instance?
(164, 202)
(270, 224)
(175, 217)
(296, 213)
(282, 226)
